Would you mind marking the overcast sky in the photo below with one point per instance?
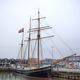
(62, 15)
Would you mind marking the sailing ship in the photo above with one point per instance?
(38, 70)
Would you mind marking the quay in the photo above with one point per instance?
(68, 68)
(66, 73)
(7, 69)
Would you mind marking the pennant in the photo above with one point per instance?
(21, 30)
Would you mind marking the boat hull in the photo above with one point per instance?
(44, 72)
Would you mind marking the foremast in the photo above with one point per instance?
(29, 42)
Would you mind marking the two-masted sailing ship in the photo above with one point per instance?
(35, 70)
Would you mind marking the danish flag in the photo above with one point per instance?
(21, 30)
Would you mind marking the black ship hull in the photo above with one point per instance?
(44, 72)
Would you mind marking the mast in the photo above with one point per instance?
(38, 29)
(38, 35)
(29, 42)
(22, 47)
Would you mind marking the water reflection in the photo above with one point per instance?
(49, 79)
(13, 76)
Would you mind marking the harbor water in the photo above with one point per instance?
(14, 76)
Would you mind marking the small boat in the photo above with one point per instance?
(37, 70)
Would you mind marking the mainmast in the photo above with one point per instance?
(38, 36)
(38, 29)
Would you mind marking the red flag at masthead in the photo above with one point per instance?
(21, 30)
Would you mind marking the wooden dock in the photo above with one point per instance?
(7, 69)
(66, 73)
